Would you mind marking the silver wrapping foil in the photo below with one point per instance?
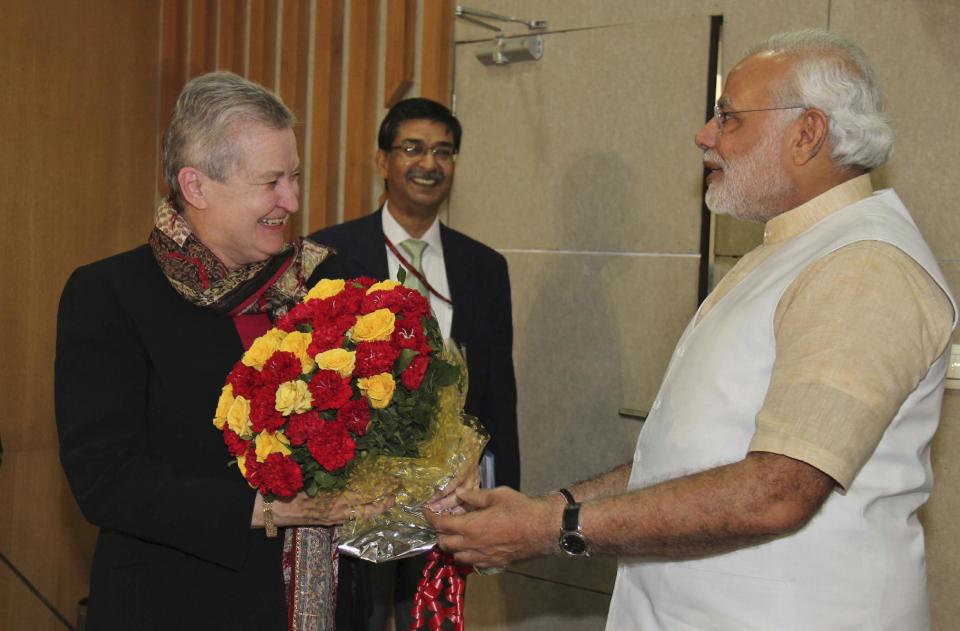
(403, 533)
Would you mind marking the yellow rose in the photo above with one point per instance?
(341, 360)
(297, 343)
(242, 464)
(293, 397)
(238, 416)
(324, 289)
(378, 389)
(263, 347)
(384, 285)
(274, 443)
(374, 326)
(223, 406)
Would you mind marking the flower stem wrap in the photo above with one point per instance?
(455, 441)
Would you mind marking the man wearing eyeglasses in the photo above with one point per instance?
(466, 282)
(776, 481)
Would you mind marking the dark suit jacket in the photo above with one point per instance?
(482, 322)
(137, 377)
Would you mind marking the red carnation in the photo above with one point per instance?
(414, 303)
(300, 427)
(365, 281)
(279, 475)
(263, 411)
(332, 447)
(325, 337)
(329, 390)
(282, 366)
(382, 299)
(235, 445)
(408, 333)
(347, 302)
(301, 313)
(244, 380)
(373, 358)
(355, 415)
(413, 375)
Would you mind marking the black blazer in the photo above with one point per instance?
(482, 322)
(137, 377)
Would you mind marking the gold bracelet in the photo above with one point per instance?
(268, 524)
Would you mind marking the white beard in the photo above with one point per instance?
(752, 187)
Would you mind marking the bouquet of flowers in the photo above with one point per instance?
(353, 390)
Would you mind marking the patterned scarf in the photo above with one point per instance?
(269, 287)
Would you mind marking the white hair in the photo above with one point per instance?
(203, 126)
(833, 74)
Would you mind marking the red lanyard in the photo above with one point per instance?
(411, 269)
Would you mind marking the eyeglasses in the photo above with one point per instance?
(414, 150)
(723, 118)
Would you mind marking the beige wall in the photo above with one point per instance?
(597, 237)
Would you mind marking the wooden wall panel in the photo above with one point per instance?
(400, 50)
(262, 43)
(173, 64)
(436, 50)
(232, 36)
(203, 37)
(324, 158)
(361, 108)
(78, 120)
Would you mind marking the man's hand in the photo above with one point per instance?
(500, 527)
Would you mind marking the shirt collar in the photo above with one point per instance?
(397, 234)
(796, 220)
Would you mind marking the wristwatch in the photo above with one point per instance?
(571, 540)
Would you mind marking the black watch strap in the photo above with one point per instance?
(571, 518)
(567, 495)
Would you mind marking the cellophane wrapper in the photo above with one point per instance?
(456, 442)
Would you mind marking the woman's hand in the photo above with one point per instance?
(304, 510)
(446, 500)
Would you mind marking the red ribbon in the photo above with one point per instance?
(440, 569)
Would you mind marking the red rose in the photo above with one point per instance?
(300, 427)
(355, 415)
(244, 380)
(332, 447)
(279, 475)
(373, 358)
(329, 390)
(263, 411)
(235, 445)
(281, 367)
(413, 375)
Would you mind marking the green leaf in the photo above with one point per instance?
(401, 275)
(446, 373)
(406, 356)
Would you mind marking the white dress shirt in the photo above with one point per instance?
(431, 261)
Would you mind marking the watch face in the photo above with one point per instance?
(573, 543)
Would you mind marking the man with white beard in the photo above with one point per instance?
(776, 482)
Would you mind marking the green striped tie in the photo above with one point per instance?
(415, 248)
